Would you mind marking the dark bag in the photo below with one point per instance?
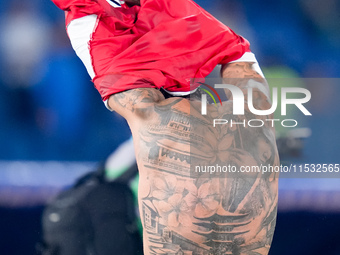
(95, 217)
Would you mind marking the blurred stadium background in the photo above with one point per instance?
(49, 137)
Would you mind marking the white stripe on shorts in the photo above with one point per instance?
(80, 33)
(180, 93)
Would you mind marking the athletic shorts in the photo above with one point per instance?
(160, 44)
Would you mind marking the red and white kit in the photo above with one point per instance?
(162, 43)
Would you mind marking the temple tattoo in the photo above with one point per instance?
(187, 209)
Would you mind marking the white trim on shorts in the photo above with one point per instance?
(80, 33)
(106, 103)
(180, 93)
(246, 57)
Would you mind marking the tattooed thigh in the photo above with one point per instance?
(203, 214)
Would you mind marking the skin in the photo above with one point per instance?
(132, 2)
(184, 212)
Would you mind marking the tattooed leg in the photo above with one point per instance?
(201, 214)
(243, 75)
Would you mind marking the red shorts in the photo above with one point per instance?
(162, 43)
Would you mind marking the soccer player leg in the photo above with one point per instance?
(199, 214)
(160, 149)
(255, 147)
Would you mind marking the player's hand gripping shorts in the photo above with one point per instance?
(162, 43)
